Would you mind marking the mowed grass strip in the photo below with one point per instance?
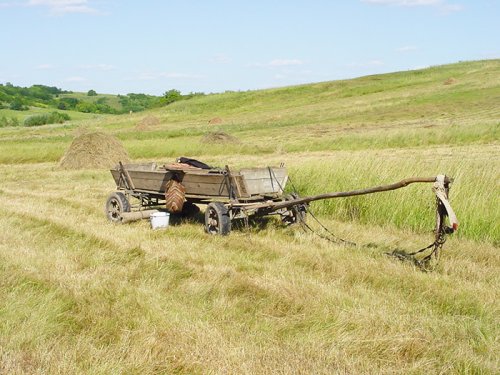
(86, 296)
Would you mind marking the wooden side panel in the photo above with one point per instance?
(148, 167)
(116, 177)
(208, 185)
(152, 181)
(264, 180)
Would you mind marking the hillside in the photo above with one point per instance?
(20, 102)
(442, 105)
(84, 296)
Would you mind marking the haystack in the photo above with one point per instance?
(219, 137)
(147, 122)
(94, 150)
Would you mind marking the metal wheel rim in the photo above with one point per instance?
(114, 209)
(212, 222)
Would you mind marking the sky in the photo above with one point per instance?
(152, 46)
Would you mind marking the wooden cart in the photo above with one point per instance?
(228, 195)
(236, 195)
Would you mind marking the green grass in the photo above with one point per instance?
(80, 295)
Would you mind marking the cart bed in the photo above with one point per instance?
(203, 183)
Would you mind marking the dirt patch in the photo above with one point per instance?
(147, 122)
(94, 150)
(219, 137)
(450, 81)
(215, 121)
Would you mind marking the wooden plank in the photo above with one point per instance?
(140, 167)
(155, 181)
(264, 181)
(241, 187)
(269, 179)
(206, 189)
(205, 179)
(258, 173)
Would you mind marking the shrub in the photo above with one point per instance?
(17, 105)
(4, 121)
(86, 107)
(91, 93)
(47, 118)
(67, 103)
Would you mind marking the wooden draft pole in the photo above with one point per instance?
(352, 193)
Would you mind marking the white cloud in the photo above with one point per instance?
(277, 63)
(64, 6)
(407, 49)
(451, 8)
(104, 67)
(75, 79)
(404, 2)
(144, 77)
(442, 5)
(148, 76)
(281, 62)
(179, 75)
(366, 64)
(45, 66)
(8, 4)
(220, 58)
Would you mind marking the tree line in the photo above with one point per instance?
(21, 98)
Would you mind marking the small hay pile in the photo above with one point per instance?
(147, 122)
(94, 150)
(215, 121)
(219, 137)
(450, 81)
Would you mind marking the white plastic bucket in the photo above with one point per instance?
(159, 220)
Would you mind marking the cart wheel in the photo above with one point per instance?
(115, 205)
(217, 220)
(295, 214)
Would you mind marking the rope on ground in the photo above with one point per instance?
(329, 236)
(443, 209)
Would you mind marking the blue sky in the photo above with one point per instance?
(152, 46)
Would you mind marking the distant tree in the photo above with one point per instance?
(86, 107)
(171, 96)
(67, 103)
(17, 105)
(91, 93)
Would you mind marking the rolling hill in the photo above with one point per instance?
(81, 295)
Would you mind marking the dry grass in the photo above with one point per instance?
(80, 295)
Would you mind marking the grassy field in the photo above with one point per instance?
(33, 111)
(80, 295)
